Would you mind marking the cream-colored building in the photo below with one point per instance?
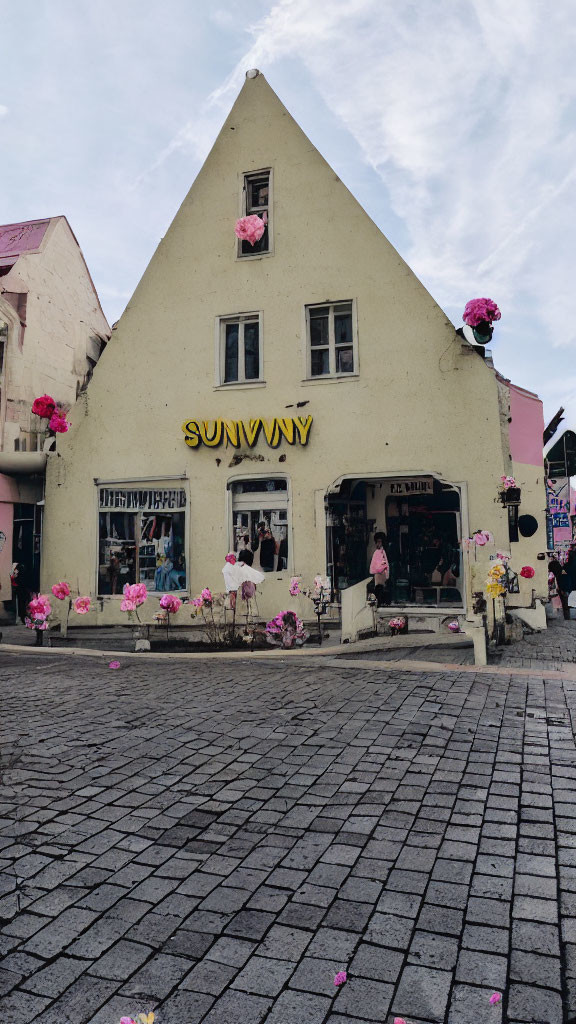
(52, 331)
(310, 383)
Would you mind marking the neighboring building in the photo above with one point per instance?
(52, 331)
(310, 383)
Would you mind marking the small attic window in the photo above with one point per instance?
(256, 199)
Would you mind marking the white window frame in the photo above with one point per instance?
(332, 374)
(243, 212)
(220, 350)
(253, 501)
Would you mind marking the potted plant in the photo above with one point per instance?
(509, 493)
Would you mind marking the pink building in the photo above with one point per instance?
(52, 332)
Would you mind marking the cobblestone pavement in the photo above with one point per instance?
(543, 650)
(215, 841)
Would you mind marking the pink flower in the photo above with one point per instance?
(508, 481)
(170, 603)
(197, 602)
(495, 998)
(478, 311)
(82, 605)
(206, 596)
(480, 538)
(58, 422)
(128, 605)
(250, 229)
(43, 406)
(231, 558)
(340, 978)
(294, 586)
(135, 593)
(397, 1020)
(61, 590)
(125, 1020)
(527, 572)
(248, 590)
(454, 627)
(114, 664)
(39, 605)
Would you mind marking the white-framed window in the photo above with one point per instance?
(257, 199)
(239, 355)
(260, 522)
(142, 536)
(332, 349)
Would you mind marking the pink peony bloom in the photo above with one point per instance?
(170, 603)
(61, 590)
(114, 664)
(250, 229)
(527, 572)
(206, 595)
(127, 1020)
(39, 605)
(496, 997)
(43, 406)
(231, 558)
(82, 605)
(58, 422)
(135, 593)
(340, 978)
(294, 586)
(478, 311)
(397, 1020)
(197, 602)
(454, 627)
(128, 605)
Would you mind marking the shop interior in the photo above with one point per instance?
(421, 523)
(141, 547)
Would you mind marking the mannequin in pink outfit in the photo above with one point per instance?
(379, 567)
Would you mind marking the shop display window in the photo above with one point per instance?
(141, 539)
(331, 341)
(260, 522)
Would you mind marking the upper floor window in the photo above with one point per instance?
(331, 340)
(239, 349)
(256, 199)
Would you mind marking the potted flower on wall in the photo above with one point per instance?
(480, 314)
(509, 493)
(46, 408)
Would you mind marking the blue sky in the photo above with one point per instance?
(452, 121)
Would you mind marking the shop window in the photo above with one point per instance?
(260, 522)
(331, 340)
(239, 349)
(141, 539)
(256, 199)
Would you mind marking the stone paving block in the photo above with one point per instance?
(301, 915)
(296, 1008)
(332, 943)
(390, 930)
(53, 979)
(366, 998)
(106, 930)
(422, 992)
(488, 911)
(495, 940)
(443, 920)
(60, 931)
(235, 1007)
(231, 951)
(534, 937)
(284, 943)
(264, 976)
(316, 975)
(468, 1006)
(87, 993)
(479, 968)
(181, 1006)
(527, 1003)
(533, 969)
(433, 950)
(249, 924)
(209, 976)
(121, 960)
(377, 963)
(21, 1007)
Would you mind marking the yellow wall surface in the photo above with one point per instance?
(421, 402)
